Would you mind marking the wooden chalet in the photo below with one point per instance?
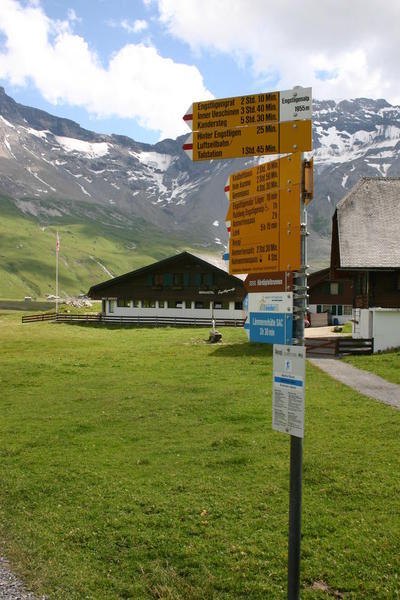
(330, 297)
(366, 249)
(366, 242)
(184, 288)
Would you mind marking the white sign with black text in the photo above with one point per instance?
(289, 389)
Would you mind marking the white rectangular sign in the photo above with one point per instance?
(295, 104)
(271, 302)
(289, 389)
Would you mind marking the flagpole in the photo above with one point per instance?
(57, 251)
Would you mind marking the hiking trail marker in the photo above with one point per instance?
(288, 389)
(267, 227)
(255, 125)
(255, 109)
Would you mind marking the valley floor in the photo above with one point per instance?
(141, 463)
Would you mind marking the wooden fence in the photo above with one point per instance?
(41, 317)
(318, 347)
(338, 346)
(347, 345)
(150, 321)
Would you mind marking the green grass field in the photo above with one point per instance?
(141, 463)
(28, 244)
(386, 364)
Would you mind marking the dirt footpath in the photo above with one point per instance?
(362, 381)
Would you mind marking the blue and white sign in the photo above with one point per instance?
(270, 318)
(271, 328)
(288, 389)
(271, 302)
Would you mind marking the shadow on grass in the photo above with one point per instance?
(242, 349)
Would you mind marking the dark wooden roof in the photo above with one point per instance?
(135, 284)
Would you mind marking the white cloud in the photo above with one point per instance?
(137, 26)
(137, 83)
(72, 16)
(341, 48)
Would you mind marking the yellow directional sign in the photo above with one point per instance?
(229, 214)
(234, 112)
(275, 174)
(255, 109)
(239, 142)
(265, 232)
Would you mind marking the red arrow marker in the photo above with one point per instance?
(188, 146)
(227, 188)
(188, 117)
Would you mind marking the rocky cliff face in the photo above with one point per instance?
(48, 164)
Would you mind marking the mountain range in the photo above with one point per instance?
(120, 204)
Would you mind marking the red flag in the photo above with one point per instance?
(58, 243)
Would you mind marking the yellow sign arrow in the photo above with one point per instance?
(239, 142)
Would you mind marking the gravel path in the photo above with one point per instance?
(12, 588)
(366, 383)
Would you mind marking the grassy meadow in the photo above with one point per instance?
(141, 463)
(89, 245)
(384, 364)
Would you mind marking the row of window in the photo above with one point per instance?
(181, 279)
(200, 304)
(335, 309)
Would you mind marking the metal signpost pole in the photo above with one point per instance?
(296, 443)
(268, 242)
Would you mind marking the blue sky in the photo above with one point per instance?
(134, 66)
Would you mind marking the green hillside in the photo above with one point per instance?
(91, 243)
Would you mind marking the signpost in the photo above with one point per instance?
(267, 282)
(267, 224)
(255, 140)
(265, 232)
(256, 109)
(288, 389)
(273, 175)
(271, 317)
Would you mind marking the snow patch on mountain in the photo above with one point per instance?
(7, 122)
(7, 145)
(340, 146)
(154, 160)
(41, 180)
(90, 149)
(40, 134)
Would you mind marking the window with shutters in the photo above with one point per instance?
(158, 279)
(167, 279)
(177, 280)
